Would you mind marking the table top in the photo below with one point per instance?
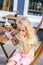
(3, 39)
(12, 17)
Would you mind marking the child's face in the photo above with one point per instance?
(21, 29)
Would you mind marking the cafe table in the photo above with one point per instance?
(12, 17)
(3, 40)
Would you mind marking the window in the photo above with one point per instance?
(35, 7)
(6, 5)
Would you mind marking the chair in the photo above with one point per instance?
(39, 51)
(38, 27)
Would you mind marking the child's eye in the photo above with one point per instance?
(18, 29)
(23, 30)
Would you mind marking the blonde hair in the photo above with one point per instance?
(29, 28)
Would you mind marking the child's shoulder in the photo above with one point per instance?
(30, 41)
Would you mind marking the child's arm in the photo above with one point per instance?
(13, 32)
(26, 46)
(14, 41)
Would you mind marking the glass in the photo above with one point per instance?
(16, 13)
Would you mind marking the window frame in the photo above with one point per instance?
(26, 9)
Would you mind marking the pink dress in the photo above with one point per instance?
(20, 57)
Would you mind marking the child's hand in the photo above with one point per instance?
(22, 38)
(9, 37)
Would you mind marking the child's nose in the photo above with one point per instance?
(21, 31)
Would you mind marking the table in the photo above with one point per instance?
(11, 17)
(4, 39)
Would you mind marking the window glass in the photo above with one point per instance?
(35, 7)
(6, 5)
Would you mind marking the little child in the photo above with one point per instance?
(24, 53)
